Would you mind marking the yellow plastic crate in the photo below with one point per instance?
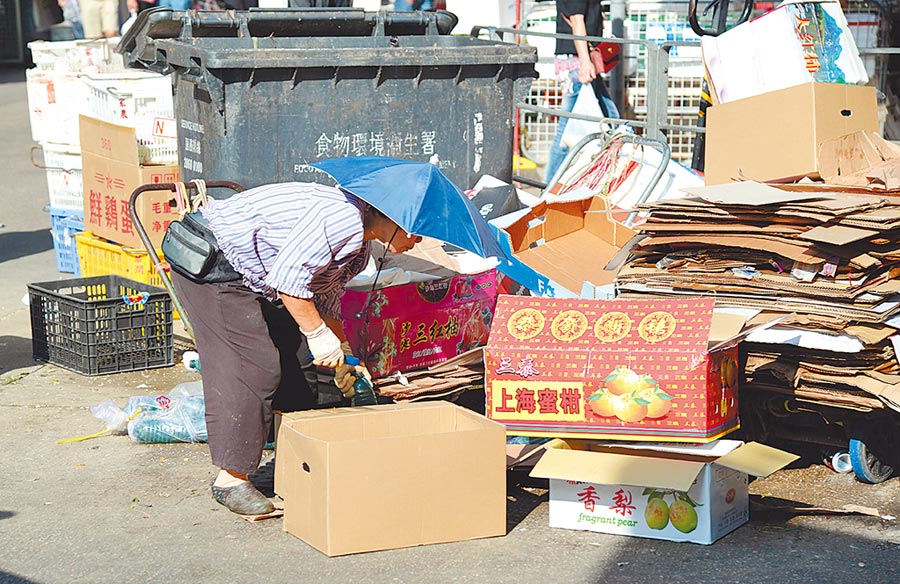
(99, 257)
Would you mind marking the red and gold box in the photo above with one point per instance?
(610, 369)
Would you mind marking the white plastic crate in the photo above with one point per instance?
(54, 100)
(83, 56)
(62, 164)
(139, 100)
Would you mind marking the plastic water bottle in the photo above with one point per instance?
(191, 361)
(364, 394)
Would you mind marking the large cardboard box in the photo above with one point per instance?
(416, 325)
(110, 173)
(561, 248)
(617, 369)
(383, 477)
(677, 494)
(775, 136)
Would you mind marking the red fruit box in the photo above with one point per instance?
(413, 326)
(610, 369)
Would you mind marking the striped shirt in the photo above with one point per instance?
(300, 239)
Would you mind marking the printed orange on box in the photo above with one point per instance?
(616, 369)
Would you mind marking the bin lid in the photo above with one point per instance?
(165, 23)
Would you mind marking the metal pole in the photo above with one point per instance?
(657, 91)
(617, 78)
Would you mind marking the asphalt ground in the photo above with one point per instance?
(109, 510)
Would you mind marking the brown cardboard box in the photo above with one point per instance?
(775, 136)
(549, 244)
(391, 476)
(643, 370)
(111, 172)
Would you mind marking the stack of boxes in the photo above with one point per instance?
(774, 104)
(598, 358)
(103, 131)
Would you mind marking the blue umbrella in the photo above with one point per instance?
(417, 197)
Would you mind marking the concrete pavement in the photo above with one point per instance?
(108, 510)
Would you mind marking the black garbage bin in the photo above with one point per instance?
(260, 94)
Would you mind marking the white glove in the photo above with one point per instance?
(345, 377)
(324, 346)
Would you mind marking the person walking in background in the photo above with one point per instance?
(72, 15)
(320, 3)
(100, 18)
(574, 68)
(176, 4)
(410, 5)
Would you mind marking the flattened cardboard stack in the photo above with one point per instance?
(828, 259)
(445, 380)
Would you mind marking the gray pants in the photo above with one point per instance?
(254, 359)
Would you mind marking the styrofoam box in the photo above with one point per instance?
(62, 163)
(82, 56)
(139, 100)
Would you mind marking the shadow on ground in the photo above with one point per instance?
(18, 244)
(12, 74)
(16, 353)
(6, 578)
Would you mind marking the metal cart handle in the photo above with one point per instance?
(145, 239)
(719, 16)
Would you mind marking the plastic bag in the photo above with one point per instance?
(112, 415)
(586, 104)
(179, 416)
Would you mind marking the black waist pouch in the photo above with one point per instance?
(192, 251)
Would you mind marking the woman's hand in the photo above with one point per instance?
(324, 346)
(586, 71)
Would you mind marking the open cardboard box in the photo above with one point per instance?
(390, 476)
(660, 369)
(111, 172)
(695, 494)
(563, 248)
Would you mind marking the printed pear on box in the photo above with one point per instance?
(631, 369)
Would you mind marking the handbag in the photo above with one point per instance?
(192, 251)
(605, 56)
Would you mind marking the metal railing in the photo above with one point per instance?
(653, 100)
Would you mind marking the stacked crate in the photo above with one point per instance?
(74, 78)
(56, 95)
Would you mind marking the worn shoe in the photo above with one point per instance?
(243, 499)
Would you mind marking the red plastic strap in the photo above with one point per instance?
(163, 267)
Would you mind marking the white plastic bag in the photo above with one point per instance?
(586, 104)
(112, 415)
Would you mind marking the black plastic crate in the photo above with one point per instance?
(100, 325)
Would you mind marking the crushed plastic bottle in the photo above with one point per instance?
(178, 416)
(191, 361)
(364, 393)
